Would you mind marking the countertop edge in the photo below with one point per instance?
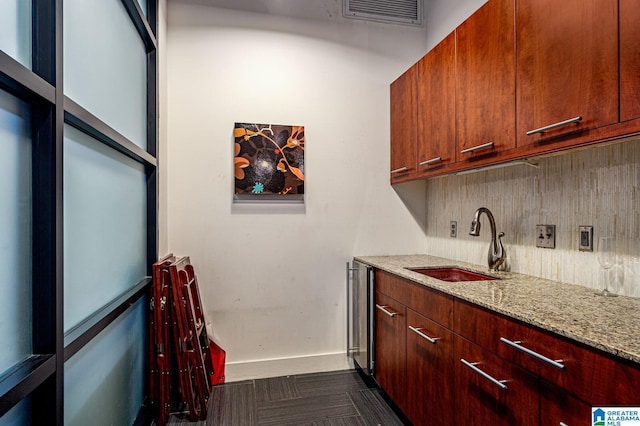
(564, 325)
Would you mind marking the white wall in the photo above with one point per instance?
(273, 281)
(443, 16)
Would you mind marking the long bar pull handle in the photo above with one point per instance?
(400, 170)
(516, 344)
(432, 161)
(384, 309)
(477, 148)
(472, 365)
(419, 332)
(554, 125)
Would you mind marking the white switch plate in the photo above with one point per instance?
(546, 236)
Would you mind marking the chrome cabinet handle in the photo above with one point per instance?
(554, 125)
(432, 161)
(477, 148)
(472, 365)
(516, 344)
(384, 309)
(419, 332)
(400, 170)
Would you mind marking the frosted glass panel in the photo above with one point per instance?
(143, 6)
(19, 415)
(105, 65)
(15, 30)
(104, 225)
(104, 381)
(15, 231)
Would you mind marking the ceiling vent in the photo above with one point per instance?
(407, 12)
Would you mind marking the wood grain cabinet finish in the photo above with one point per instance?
(436, 106)
(558, 407)
(432, 304)
(589, 375)
(403, 125)
(430, 376)
(480, 401)
(567, 67)
(549, 379)
(485, 81)
(629, 60)
(390, 350)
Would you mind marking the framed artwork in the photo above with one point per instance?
(268, 161)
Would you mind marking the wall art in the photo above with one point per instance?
(268, 161)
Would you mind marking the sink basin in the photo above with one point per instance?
(452, 274)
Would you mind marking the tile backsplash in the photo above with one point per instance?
(598, 186)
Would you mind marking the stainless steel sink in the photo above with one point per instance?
(451, 274)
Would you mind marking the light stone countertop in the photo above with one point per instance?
(611, 324)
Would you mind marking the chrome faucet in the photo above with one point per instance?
(497, 254)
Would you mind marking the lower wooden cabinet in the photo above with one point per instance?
(430, 391)
(492, 391)
(390, 351)
(444, 361)
(558, 407)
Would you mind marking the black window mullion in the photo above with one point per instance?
(22, 82)
(83, 120)
(47, 318)
(141, 24)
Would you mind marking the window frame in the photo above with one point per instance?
(41, 375)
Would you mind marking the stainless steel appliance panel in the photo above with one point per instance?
(360, 292)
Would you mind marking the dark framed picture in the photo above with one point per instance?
(268, 161)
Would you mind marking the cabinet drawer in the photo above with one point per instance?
(592, 376)
(492, 391)
(390, 348)
(431, 303)
(430, 391)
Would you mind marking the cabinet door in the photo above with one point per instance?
(403, 124)
(430, 375)
(629, 60)
(436, 106)
(390, 341)
(485, 81)
(567, 67)
(557, 408)
(512, 398)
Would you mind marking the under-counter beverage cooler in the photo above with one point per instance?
(360, 332)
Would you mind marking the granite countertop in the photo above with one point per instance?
(611, 324)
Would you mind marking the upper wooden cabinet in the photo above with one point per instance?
(567, 67)
(403, 124)
(436, 106)
(485, 81)
(629, 60)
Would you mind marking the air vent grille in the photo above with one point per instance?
(408, 12)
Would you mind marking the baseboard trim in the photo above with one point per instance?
(264, 368)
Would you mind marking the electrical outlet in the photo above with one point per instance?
(546, 236)
(586, 238)
(453, 230)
